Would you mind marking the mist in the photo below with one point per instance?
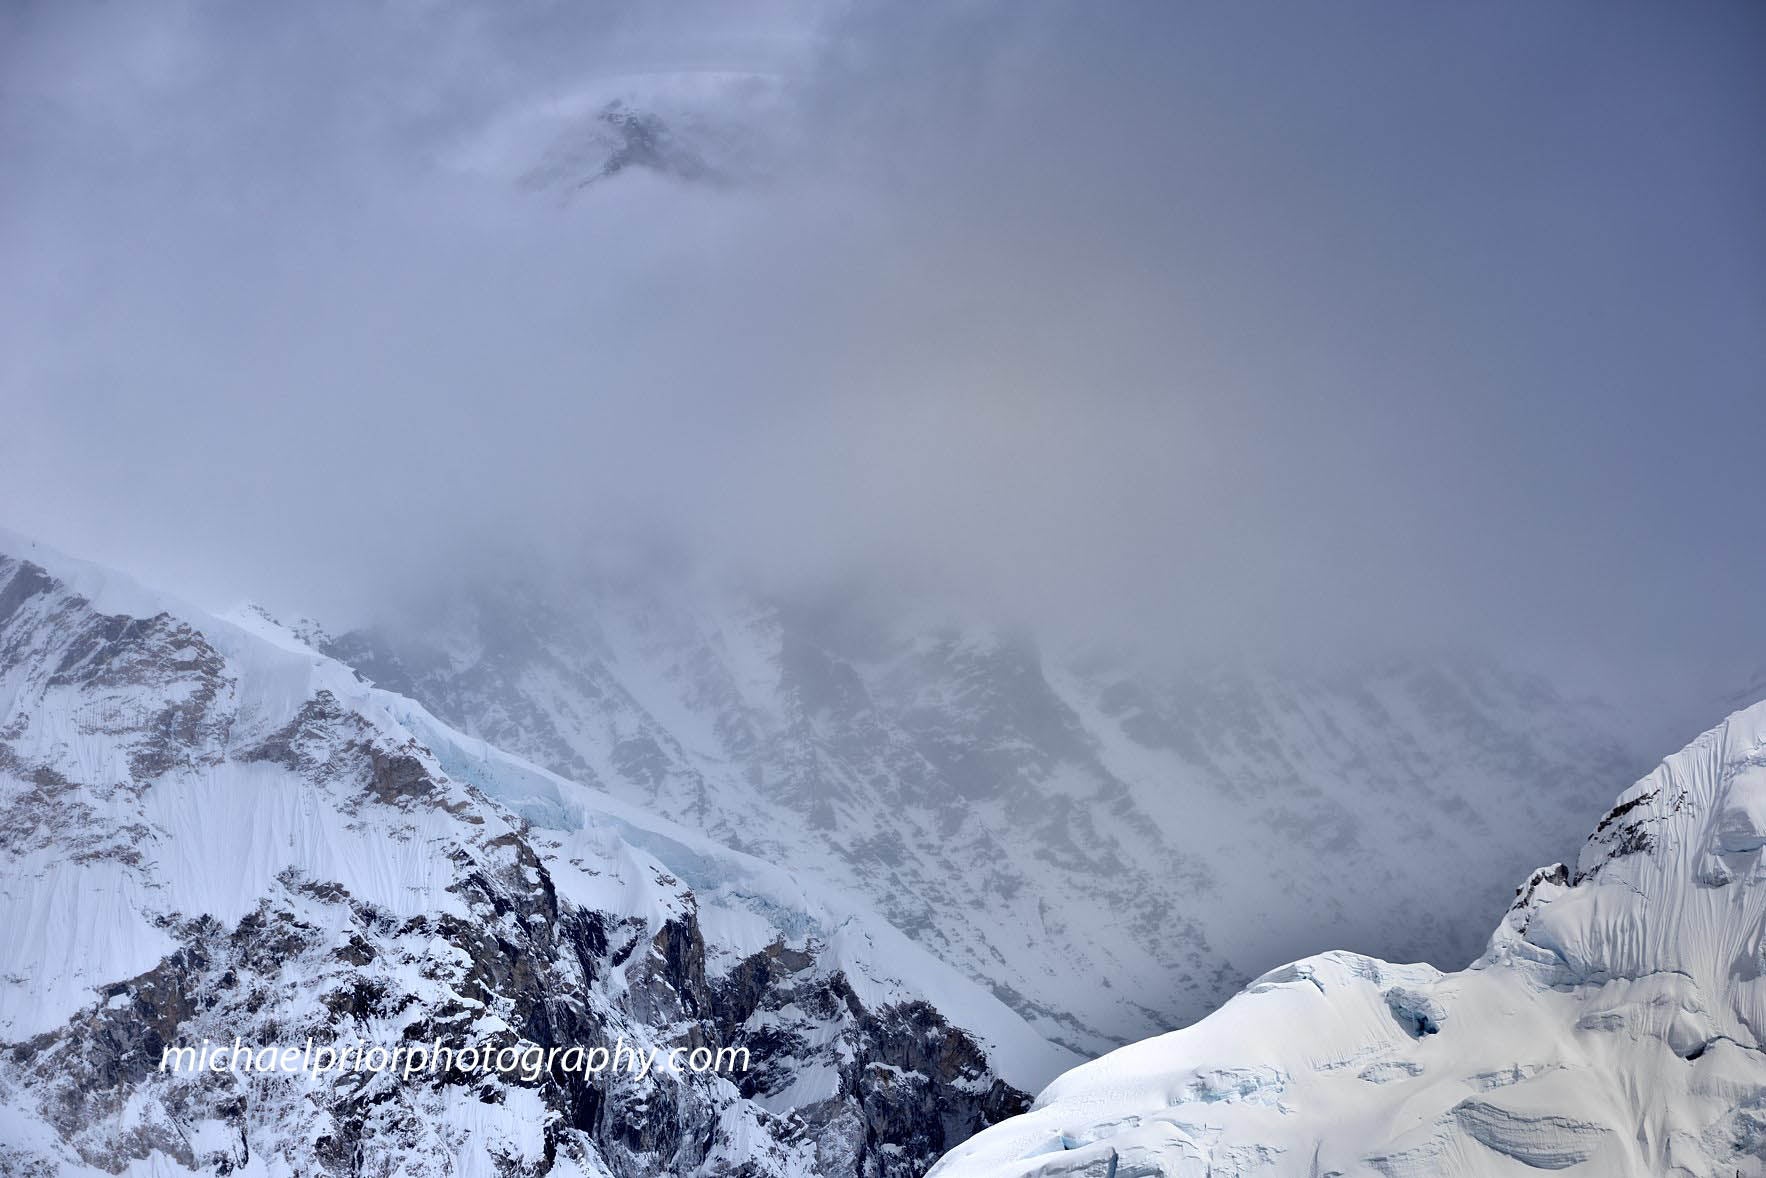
(1205, 327)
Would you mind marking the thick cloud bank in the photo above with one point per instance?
(1245, 324)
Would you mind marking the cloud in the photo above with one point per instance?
(1232, 326)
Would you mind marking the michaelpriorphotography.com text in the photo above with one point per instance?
(529, 1061)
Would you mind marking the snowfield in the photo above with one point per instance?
(1613, 1027)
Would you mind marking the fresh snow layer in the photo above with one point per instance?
(1613, 1027)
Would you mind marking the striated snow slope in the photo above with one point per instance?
(1612, 1028)
(209, 829)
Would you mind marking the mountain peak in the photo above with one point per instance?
(1613, 1027)
(212, 830)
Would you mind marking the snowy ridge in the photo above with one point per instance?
(1613, 1027)
(212, 829)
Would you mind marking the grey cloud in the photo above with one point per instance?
(1216, 325)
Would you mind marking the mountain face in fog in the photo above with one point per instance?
(1112, 848)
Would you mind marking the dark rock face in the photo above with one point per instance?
(909, 1085)
(496, 956)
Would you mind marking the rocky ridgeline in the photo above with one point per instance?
(288, 864)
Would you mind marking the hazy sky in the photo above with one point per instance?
(1282, 326)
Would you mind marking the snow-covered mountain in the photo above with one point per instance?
(1112, 845)
(208, 829)
(1613, 1027)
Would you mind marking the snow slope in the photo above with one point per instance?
(1613, 1027)
(208, 828)
(1112, 846)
